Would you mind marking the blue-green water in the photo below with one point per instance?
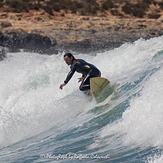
(41, 123)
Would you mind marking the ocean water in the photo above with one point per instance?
(41, 123)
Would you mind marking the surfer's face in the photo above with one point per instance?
(68, 60)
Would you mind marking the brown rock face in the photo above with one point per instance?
(84, 32)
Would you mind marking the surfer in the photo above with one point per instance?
(86, 69)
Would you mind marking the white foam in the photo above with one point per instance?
(141, 124)
(31, 101)
(155, 159)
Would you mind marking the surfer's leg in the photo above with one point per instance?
(85, 85)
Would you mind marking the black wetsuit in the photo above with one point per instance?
(88, 70)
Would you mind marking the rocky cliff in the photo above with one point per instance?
(41, 31)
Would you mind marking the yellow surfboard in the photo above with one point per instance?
(97, 84)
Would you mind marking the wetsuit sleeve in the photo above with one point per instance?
(70, 74)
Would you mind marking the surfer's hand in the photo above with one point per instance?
(80, 79)
(61, 86)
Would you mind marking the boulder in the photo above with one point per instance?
(5, 24)
(22, 40)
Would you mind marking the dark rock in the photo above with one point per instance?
(88, 45)
(51, 51)
(5, 24)
(23, 40)
(3, 52)
(107, 41)
(3, 16)
(142, 26)
(79, 46)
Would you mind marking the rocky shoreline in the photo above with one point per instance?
(46, 34)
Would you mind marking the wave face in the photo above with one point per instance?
(41, 123)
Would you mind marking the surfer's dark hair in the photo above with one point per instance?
(69, 55)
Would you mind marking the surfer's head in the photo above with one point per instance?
(68, 57)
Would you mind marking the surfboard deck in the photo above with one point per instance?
(97, 84)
